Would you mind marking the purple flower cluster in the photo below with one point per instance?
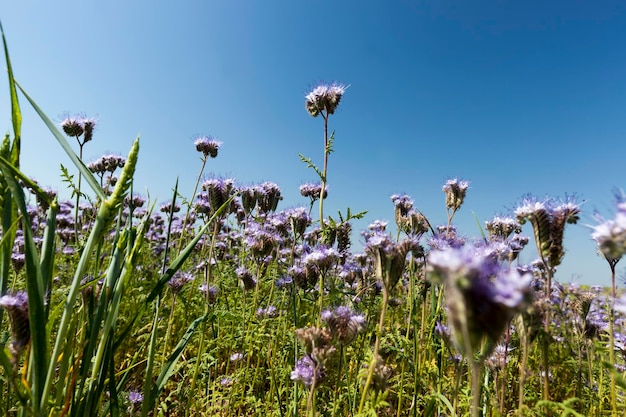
(610, 235)
(207, 146)
(313, 191)
(344, 324)
(324, 98)
(481, 295)
(455, 190)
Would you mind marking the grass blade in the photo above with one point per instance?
(16, 114)
(35, 290)
(168, 367)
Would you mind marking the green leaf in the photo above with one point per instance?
(35, 290)
(16, 114)
(170, 364)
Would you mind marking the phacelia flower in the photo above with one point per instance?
(481, 295)
(305, 372)
(313, 191)
(610, 235)
(208, 146)
(455, 190)
(502, 227)
(73, 126)
(344, 324)
(16, 306)
(324, 98)
(135, 397)
(548, 220)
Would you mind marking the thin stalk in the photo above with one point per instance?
(379, 332)
(324, 170)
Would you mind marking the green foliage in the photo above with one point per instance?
(108, 318)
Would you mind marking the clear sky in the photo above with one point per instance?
(516, 97)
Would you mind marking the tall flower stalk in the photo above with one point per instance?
(81, 128)
(610, 235)
(323, 101)
(548, 220)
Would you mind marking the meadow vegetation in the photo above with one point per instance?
(221, 302)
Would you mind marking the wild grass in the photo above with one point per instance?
(221, 303)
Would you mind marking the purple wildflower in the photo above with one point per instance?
(305, 371)
(482, 295)
(610, 235)
(313, 191)
(344, 324)
(208, 146)
(16, 306)
(324, 98)
(455, 190)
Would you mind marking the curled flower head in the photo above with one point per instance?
(389, 256)
(269, 195)
(306, 372)
(455, 190)
(72, 126)
(313, 191)
(218, 191)
(403, 204)
(89, 124)
(179, 280)
(246, 278)
(324, 98)
(16, 306)
(481, 295)
(610, 235)
(502, 227)
(344, 324)
(548, 219)
(208, 146)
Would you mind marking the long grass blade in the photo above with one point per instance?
(16, 114)
(35, 290)
(170, 364)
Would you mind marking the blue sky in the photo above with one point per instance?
(516, 97)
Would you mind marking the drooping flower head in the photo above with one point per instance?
(208, 146)
(389, 256)
(324, 98)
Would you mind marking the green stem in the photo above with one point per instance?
(379, 332)
(324, 170)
